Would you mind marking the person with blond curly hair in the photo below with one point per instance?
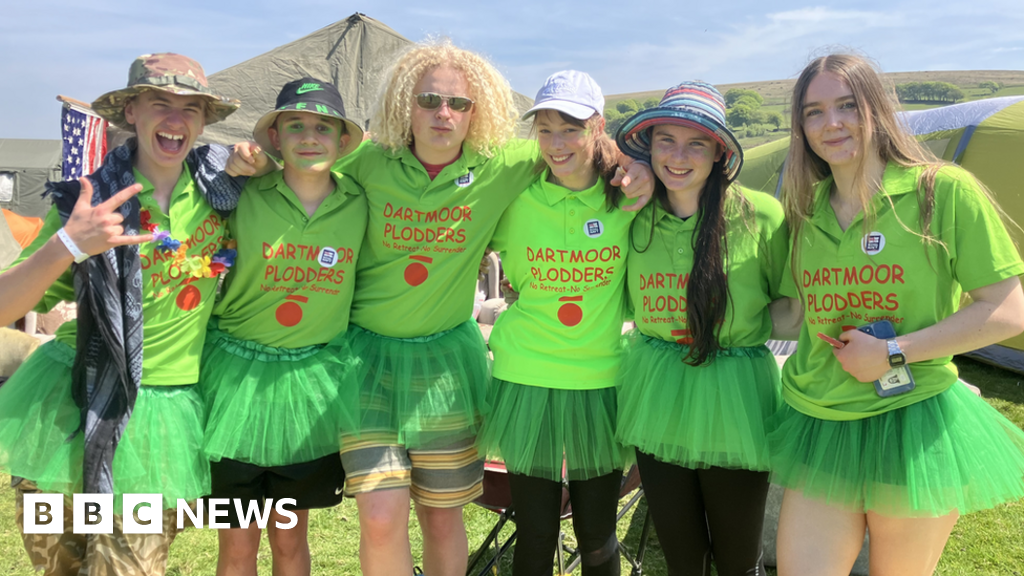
(439, 173)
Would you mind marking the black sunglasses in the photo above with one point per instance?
(431, 101)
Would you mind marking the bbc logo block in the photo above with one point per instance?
(93, 513)
(144, 514)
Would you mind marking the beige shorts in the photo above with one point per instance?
(445, 477)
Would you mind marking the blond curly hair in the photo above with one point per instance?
(494, 111)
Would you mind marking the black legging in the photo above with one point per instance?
(705, 513)
(537, 503)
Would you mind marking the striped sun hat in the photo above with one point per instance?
(692, 104)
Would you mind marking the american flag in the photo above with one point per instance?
(85, 141)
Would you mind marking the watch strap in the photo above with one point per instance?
(896, 356)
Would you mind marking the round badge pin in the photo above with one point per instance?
(464, 180)
(872, 243)
(328, 257)
(593, 228)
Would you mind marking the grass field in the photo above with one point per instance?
(989, 543)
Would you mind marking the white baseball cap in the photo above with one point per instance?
(572, 92)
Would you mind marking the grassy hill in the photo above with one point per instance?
(776, 93)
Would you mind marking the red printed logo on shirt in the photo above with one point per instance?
(416, 273)
(189, 297)
(289, 313)
(570, 314)
(685, 337)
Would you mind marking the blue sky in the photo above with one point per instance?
(82, 49)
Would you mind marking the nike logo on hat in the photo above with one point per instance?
(308, 88)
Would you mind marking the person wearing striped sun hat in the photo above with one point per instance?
(698, 383)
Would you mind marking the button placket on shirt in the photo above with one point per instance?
(681, 257)
(573, 221)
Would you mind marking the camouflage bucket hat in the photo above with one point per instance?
(168, 72)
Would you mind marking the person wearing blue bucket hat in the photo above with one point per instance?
(697, 384)
(557, 349)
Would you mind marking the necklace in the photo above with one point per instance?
(197, 266)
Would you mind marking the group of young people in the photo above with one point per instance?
(339, 354)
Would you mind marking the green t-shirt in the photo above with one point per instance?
(758, 243)
(425, 238)
(292, 282)
(853, 278)
(175, 305)
(565, 254)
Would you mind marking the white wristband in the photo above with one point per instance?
(72, 247)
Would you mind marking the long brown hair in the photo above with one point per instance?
(884, 135)
(605, 157)
(707, 292)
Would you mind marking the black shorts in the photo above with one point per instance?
(315, 484)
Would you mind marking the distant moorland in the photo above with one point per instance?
(776, 94)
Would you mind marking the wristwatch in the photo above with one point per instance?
(896, 356)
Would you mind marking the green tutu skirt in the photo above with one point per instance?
(272, 406)
(697, 417)
(427, 392)
(537, 430)
(950, 452)
(160, 452)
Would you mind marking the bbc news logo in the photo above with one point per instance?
(143, 513)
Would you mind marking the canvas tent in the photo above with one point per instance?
(25, 167)
(984, 136)
(354, 54)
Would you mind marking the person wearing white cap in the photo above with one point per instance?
(563, 245)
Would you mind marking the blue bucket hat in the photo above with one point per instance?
(695, 105)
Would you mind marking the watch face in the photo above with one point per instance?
(897, 360)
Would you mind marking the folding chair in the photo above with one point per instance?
(497, 498)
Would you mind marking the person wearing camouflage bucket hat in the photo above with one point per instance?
(110, 407)
(167, 72)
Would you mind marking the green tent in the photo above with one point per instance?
(762, 166)
(25, 167)
(984, 136)
(354, 54)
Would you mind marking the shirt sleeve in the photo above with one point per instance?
(520, 159)
(787, 285)
(776, 257)
(981, 251)
(356, 165)
(63, 289)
